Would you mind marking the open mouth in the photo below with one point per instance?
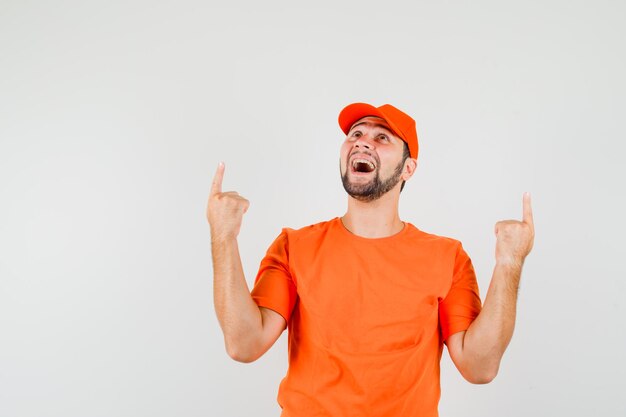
(362, 165)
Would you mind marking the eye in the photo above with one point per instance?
(383, 137)
(357, 134)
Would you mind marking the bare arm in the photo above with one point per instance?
(249, 331)
(478, 351)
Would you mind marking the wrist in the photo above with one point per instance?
(222, 238)
(509, 263)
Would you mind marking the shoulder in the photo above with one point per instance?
(288, 236)
(432, 238)
(312, 231)
(445, 246)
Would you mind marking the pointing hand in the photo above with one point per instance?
(225, 210)
(514, 239)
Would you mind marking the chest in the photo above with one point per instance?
(370, 296)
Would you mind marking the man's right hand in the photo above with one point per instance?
(225, 210)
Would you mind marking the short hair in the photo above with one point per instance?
(405, 154)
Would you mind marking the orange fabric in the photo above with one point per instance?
(366, 317)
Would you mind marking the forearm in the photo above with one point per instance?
(488, 336)
(239, 316)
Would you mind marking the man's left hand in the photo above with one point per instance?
(514, 239)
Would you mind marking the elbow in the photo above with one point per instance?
(242, 357)
(237, 353)
(481, 376)
(481, 379)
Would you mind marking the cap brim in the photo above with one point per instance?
(356, 111)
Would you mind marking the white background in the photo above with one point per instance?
(114, 115)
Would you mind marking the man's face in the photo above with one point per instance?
(371, 159)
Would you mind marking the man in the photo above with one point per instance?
(369, 300)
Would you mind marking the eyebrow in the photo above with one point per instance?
(373, 124)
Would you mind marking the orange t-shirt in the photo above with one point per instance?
(366, 317)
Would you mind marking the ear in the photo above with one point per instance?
(409, 168)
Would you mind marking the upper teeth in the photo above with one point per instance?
(364, 161)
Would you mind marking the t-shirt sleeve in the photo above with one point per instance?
(274, 287)
(462, 303)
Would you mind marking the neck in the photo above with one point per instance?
(373, 219)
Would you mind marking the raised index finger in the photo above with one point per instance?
(216, 187)
(528, 211)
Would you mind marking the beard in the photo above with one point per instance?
(375, 188)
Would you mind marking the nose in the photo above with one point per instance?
(364, 141)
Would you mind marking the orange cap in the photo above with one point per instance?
(401, 123)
